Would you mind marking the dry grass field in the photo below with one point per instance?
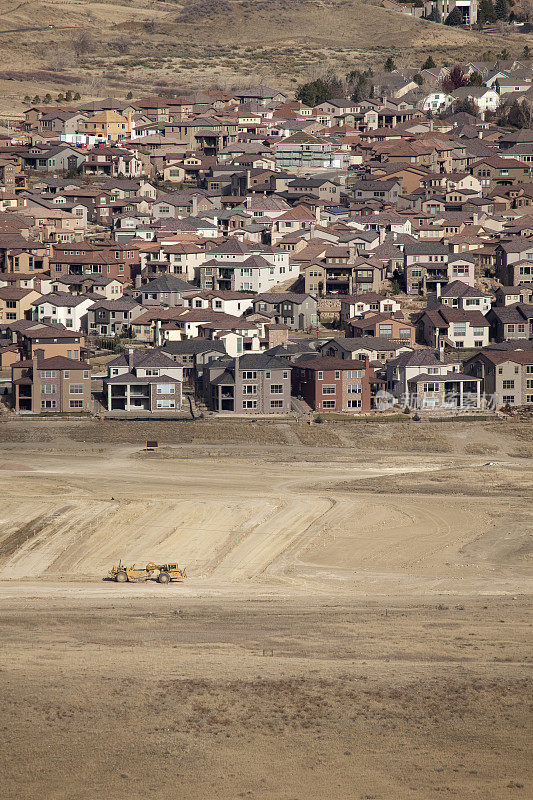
(354, 624)
(156, 45)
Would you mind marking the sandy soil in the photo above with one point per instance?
(355, 623)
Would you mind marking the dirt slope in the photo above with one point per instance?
(150, 46)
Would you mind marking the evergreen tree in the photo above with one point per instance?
(454, 17)
(47, 98)
(68, 96)
(526, 52)
(389, 65)
(129, 96)
(27, 99)
(501, 9)
(77, 96)
(516, 116)
(428, 63)
(359, 84)
(486, 12)
(36, 99)
(60, 97)
(316, 92)
(475, 79)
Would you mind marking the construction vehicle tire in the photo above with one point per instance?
(121, 577)
(163, 577)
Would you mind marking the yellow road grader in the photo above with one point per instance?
(162, 573)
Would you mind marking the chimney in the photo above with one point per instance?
(352, 249)
(130, 359)
(438, 290)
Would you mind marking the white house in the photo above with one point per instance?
(233, 303)
(483, 98)
(435, 102)
(63, 307)
(246, 267)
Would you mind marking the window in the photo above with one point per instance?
(276, 388)
(250, 388)
(48, 404)
(508, 385)
(354, 388)
(165, 388)
(249, 376)
(431, 387)
(510, 329)
(337, 374)
(328, 404)
(66, 373)
(163, 403)
(353, 374)
(459, 329)
(320, 376)
(477, 332)
(276, 404)
(76, 388)
(48, 373)
(75, 403)
(508, 398)
(354, 404)
(285, 374)
(48, 388)
(249, 403)
(152, 372)
(328, 389)
(385, 331)
(267, 374)
(85, 373)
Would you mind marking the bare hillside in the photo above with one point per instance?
(149, 45)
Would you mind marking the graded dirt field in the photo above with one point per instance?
(354, 624)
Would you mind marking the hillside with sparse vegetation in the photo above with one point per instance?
(100, 47)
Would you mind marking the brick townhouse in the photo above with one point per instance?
(335, 384)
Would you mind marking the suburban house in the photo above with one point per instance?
(359, 305)
(67, 309)
(425, 266)
(367, 347)
(53, 340)
(382, 326)
(194, 354)
(453, 327)
(427, 361)
(297, 311)
(335, 384)
(234, 303)
(250, 384)
(16, 303)
(144, 380)
(246, 267)
(458, 294)
(514, 261)
(167, 290)
(507, 374)
(55, 384)
(112, 317)
(511, 322)
(452, 391)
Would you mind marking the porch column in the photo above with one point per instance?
(109, 396)
(17, 394)
(478, 394)
(128, 397)
(460, 394)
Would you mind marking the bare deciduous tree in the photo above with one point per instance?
(83, 43)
